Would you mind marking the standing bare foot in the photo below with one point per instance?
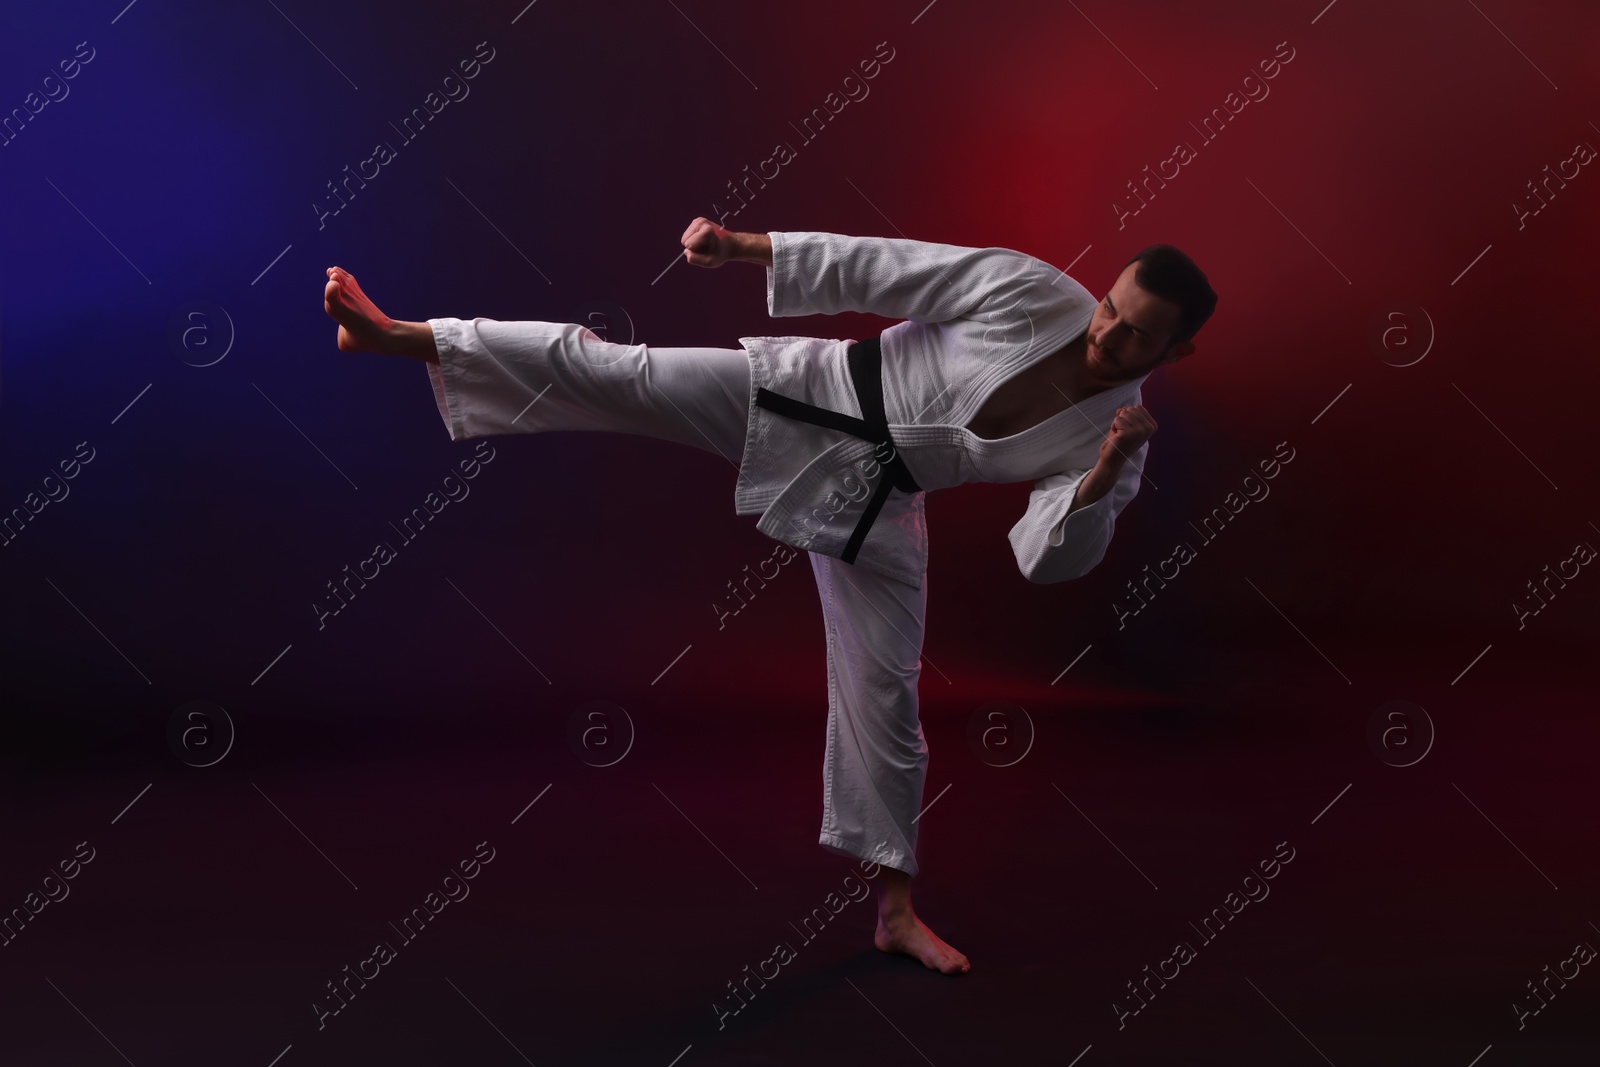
(363, 328)
(899, 929)
(903, 932)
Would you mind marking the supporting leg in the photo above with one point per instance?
(877, 757)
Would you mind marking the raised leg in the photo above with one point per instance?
(493, 377)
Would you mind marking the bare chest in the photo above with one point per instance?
(1024, 400)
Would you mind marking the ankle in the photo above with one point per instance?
(412, 339)
(897, 912)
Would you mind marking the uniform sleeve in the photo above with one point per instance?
(1052, 546)
(826, 273)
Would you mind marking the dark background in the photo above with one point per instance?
(1247, 705)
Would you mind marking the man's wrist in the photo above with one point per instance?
(751, 248)
(1106, 470)
(1097, 483)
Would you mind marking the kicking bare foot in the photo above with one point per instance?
(363, 328)
(907, 934)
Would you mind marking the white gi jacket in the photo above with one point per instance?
(976, 317)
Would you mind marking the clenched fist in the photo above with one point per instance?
(1131, 427)
(706, 244)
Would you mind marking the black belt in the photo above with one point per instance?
(866, 374)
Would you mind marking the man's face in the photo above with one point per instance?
(1131, 332)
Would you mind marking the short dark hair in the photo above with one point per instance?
(1166, 272)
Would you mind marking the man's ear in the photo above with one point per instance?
(1179, 351)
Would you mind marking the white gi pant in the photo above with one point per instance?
(572, 379)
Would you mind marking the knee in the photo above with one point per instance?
(892, 704)
(892, 685)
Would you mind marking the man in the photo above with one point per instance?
(1004, 369)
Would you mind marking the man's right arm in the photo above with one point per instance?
(898, 278)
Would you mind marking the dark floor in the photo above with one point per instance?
(617, 908)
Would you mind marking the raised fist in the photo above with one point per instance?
(706, 244)
(1131, 427)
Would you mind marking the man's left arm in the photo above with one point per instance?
(1071, 516)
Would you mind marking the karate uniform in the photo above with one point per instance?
(974, 318)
